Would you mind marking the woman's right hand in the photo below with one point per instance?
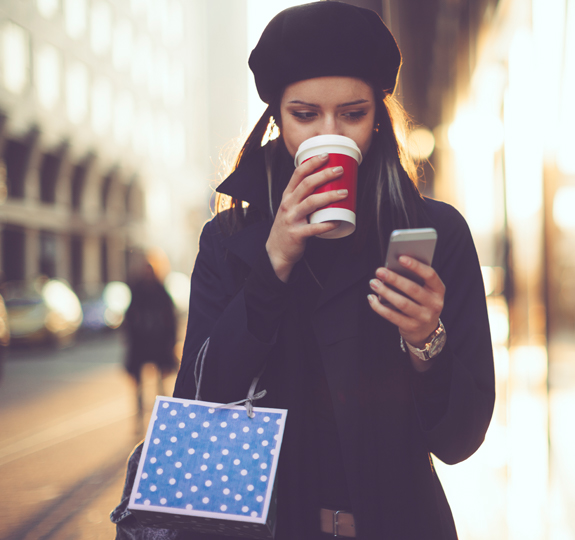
(291, 229)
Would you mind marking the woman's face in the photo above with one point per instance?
(327, 106)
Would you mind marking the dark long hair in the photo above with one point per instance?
(387, 192)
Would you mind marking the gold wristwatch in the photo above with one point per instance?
(433, 347)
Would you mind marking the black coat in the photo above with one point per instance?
(390, 418)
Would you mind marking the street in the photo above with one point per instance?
(67, 426)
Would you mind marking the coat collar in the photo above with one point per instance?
(249, 182)
(248, 243)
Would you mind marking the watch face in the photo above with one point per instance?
(432, 348)
(437, 343)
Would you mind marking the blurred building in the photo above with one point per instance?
(497, 92)
(100, 103)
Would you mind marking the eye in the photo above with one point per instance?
(304, 115)
(355, 115)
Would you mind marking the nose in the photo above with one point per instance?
(329, 126)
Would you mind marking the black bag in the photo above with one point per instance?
(128, 527)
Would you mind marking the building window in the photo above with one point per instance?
(47, 75)
(155, 67)
(48, 252)
(128, 197)
(141, 63)
(173, 23)
(138, 6)
(155, 16)
(49, 170)
(16, 158)
(15, 57)
(105, 191)
(77, 92)
(123, 117)
(101, 105)
(75, 17)
(134, 201)
(143, 133)
(78, 183)
(47, 8)
(104, 260)
(178, 145)
(177, 83)
(122, 44)
(100, 27)
(164, 72)
(13, 253)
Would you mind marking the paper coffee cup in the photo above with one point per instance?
(342, 152)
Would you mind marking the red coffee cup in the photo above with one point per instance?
(342, 152)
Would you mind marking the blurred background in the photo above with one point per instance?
(117, 120)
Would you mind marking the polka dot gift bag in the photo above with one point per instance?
(209, 468)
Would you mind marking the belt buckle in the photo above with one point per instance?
(336, 524)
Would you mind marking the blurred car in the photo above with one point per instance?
(107, 310)
(41, 311)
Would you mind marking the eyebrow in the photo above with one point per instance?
(350, 103)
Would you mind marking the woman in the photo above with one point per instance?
(366, 406)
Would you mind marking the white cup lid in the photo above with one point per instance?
(332, 144)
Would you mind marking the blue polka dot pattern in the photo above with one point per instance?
(200, 460)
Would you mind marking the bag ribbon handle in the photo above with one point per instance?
(248, 401)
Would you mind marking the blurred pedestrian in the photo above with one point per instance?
(150, 326)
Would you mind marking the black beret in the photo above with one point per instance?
(323, 39)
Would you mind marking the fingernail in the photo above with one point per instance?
(383, 272)
(371, 298)
(337, 169)
(405, 260)
(324, 155)
(342, 191)
(373, 283)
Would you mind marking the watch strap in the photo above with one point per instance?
(432, 347)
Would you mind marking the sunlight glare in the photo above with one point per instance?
(528, 451)
(178, 286)
(564, 208)
(566, 132)
(498, 320)
(420, 143)
(523, 134)
(473, 129)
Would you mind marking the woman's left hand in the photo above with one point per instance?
(419, 311)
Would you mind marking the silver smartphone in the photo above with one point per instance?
(416, 243)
